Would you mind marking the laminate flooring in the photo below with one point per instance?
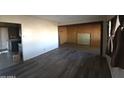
(63, 62)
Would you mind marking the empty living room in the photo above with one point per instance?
(61, 46)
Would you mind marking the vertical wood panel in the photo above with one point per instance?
(72, 34)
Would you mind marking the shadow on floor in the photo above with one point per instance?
(94, 67)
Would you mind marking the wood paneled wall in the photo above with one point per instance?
(71, 31)
(72, 34)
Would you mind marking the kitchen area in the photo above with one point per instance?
(10, 44)
(14, 40)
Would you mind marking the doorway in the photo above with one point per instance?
(10, 44)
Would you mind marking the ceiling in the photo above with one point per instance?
(72, 19)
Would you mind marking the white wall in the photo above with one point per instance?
(4, 38)
(38, 35)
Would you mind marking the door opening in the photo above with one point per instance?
(10, 44)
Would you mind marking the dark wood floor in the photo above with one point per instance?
(64, 62)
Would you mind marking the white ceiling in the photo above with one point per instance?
(72, 19)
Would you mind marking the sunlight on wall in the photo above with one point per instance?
(38, 35)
